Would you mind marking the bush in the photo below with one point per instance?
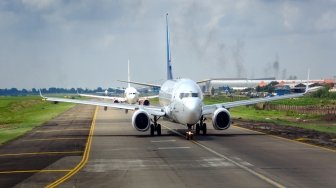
(323, 93)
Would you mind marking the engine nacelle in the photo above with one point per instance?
(144, 102)
(141, 120)
(221, 119)
(115, 101)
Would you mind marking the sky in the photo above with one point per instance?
(86, 43)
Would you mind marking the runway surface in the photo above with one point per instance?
(47, 152)
(122, 157)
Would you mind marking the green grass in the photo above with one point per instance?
(21, 114)
(289, 118)
(305, 101)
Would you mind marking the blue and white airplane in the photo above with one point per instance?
(181, 101)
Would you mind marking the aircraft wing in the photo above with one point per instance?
(120, 99)
(139, 83)
(208, 109)
(149, 97)
(95, 103)
(152, 110)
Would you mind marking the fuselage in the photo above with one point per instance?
(183, 100)
(131, 95)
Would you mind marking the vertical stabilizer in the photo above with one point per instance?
(129, 76)
(169, 66)
(307, 86)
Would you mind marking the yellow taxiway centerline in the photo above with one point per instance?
(85, 157)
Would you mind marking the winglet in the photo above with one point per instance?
(307, 84)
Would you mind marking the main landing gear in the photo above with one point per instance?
(201, 126)
(155, 127)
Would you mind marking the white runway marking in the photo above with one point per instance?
(261, 176)
(162, 148)
(163, 140)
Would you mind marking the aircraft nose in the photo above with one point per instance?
(193, 110)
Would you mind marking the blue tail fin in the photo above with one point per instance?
(169, 66)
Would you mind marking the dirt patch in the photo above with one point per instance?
(4, 126)
(329, 117)
(295, 133)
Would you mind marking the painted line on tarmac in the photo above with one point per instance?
(287, 139)
(158, 141)
(85, 157)
(41, 153)
(31, 171)
(268, 180)
(53, 139)
(169, 148)
(51, 131)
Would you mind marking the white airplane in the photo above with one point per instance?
(131, 95)
(181, 101)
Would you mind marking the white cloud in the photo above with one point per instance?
(292, 15)
(327, 21)
(39, 4)
(98, 35)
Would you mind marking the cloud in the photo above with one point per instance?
(38, 5)
(65, 41)
(326, 22)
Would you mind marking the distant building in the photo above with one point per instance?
(282, 89)
(244, 83)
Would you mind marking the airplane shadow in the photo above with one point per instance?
(209, 136)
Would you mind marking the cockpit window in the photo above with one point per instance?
(184, 95)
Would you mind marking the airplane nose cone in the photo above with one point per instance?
(193, 110)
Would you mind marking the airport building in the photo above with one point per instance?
(244, 83)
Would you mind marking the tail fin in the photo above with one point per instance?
(307, 86)
(169, 66)
(129, 76)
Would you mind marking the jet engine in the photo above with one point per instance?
(221, 119)
(141, 120)
(144, 102)
(115, 101)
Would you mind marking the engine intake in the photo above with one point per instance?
(141, 120)
(221, 119)
(144, 102)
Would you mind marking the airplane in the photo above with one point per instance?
(131, 95)
(181, 101)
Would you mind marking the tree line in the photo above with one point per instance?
(54, 90)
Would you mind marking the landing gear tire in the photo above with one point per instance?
(198, 129)
(204, 129)
(189, 135)
(158, 129)
(152, 130)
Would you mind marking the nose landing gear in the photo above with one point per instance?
(189, 133)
